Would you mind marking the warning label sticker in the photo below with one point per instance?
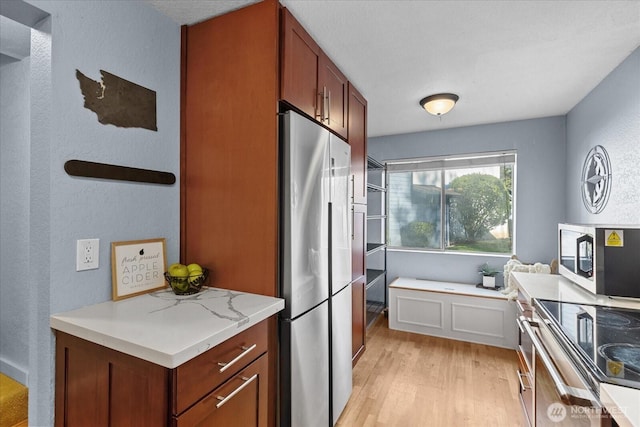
(614, 238)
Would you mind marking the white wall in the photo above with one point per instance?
(135, 42)
(608, 116)
(14, 219)
(540, 146)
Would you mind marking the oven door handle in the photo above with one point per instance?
(569, 395)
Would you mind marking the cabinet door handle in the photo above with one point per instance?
(246, 380)
(320, 106)
(323, 105)
(225, 365)
(329, 108)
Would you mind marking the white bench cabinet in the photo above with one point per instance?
(452, 310)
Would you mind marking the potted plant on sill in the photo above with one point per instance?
(488, 275)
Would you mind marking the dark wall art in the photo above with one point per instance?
(119, 102)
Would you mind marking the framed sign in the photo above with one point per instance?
(137, 267)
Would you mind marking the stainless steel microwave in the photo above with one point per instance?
(604, 260)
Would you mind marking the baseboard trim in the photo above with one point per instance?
(13, 371)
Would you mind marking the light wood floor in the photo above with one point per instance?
(412, 380)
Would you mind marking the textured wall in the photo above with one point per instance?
(540, 146)
(14, 218)
(608, 116)
(133, 41)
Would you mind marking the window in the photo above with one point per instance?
(462, 204)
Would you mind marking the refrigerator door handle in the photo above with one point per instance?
(352, 196)
(333, 174)
(353, 222)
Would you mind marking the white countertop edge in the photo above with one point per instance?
(623, 403)
(427, 285)
(162, 358)
(555, 287)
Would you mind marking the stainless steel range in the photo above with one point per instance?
(575, 348)
(605, 339)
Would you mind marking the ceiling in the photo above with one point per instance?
(507, 60)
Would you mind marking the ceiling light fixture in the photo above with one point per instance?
(439, 104)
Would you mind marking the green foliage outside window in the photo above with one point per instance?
(417, 234)
(481, 204)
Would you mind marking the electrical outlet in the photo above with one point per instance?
(87, 254)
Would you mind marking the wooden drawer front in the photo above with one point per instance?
(241, 401)
(197, 377)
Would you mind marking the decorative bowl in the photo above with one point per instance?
(187, 285)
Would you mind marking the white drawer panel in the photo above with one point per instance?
(420, 311)
(476, 319)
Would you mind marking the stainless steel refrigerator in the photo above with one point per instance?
(315, 326)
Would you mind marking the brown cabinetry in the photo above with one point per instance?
(229, 168)
(235, 68)
(309, 79)
(333, 86)
(197, 377)
(299, 69)
(358, 309)
(229, 153)
(240, 401)
(357, 132)
(98, 386)
(358, 241)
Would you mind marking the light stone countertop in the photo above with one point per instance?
(555, 287)
(168, 329)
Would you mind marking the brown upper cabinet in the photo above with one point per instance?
(309, 80)
(299, 69)
(332, 84)
(357, 138)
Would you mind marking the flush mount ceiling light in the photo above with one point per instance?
(439, 104)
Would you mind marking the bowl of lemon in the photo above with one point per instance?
(186, 279)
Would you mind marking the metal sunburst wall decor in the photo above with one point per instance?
(596, 179)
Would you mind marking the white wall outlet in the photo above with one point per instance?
(87, 254)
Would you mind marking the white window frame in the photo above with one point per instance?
(442, 163)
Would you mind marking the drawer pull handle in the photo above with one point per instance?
(246, 380)
(520, 375)
(224, 366)
(521, 308)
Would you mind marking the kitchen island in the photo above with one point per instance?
(161, 356)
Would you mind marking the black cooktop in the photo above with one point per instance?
(608, 338)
